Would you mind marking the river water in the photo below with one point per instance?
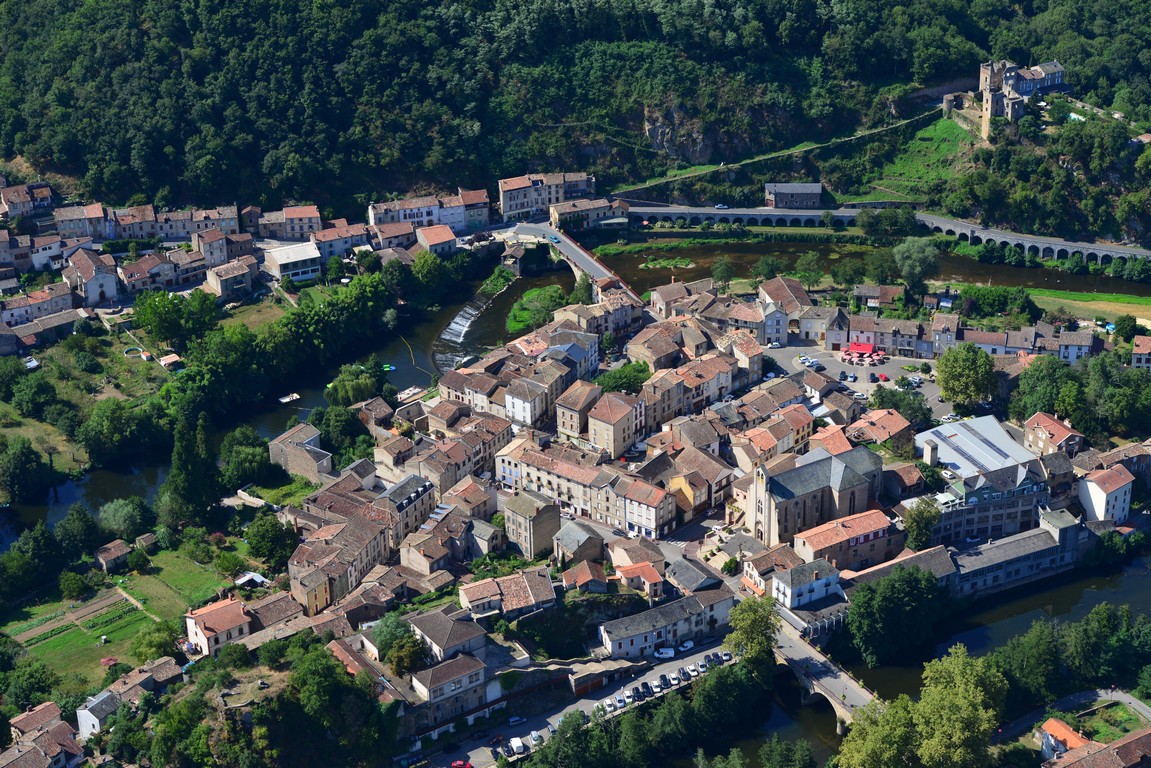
(952, 267)
(436, 343)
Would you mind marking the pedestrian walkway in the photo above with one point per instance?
(1073, 702)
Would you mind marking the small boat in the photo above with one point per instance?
(290, 398)
(388, 367)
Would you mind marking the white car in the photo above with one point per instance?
(609, 705)
(665, 653)
(620, 702)
(693, 671)
(950, 417)
(686, 646)
(628, 697)
(673, 679)
(859, 396)
(804, 359)
(656, 687)
(773, 345)
(702, 666)
(536, 738)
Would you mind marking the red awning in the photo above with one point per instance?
(865, 348)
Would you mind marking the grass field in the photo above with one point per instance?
(255, 315)
(931, 155)
(292, 492)
(79, 650)
(155, 595)
(193, 582)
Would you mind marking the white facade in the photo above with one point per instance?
(792, 590)
(1106, 494)
(299, 262)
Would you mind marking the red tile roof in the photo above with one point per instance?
(1111, 480)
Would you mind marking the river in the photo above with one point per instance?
(952, 267)
(433, 344)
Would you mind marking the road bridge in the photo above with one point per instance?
(749, 217)
(820, 676)
(1035, 245)
(581, 260)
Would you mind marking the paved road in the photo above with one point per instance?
(568, 248)
(828, 676)
(1076, 701)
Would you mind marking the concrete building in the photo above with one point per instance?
(805, 584)
(1106, 494)
(668, 625)
(793, 196)
(1053, 547)
(299, 262)
(531, 521)
(995, 486)
(572, 409)
(852, 543)
(438, 240)
(615, 423)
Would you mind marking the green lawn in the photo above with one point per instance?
(193, 582)
(156, 596)
(931, 155)
(21, 618)
(255, 315)
(291, 493)
(79, 650)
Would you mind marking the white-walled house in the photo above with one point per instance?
(803, 584)
(1106, 494)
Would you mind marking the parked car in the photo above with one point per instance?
(617, 532)
(609, 705)
(517, 720)
(461, 764)
(507, 749)
(536, 738)
(663, 681)
(852, 377)
(646, 687)
(656, 688)
(673, 679)
(551, 729)
(665, 653)
(686, 646)
(554, 239)
(620, 702)
(949, 418)
(859, 396)
(702, 665)
(518, 746)
(872, 377)
(495, 740)
(769, 376)
(629, 697)
(683, 675)
(883, 377)
(804, 359)
(843, 375)
(637, 694)
(693, 670)
(726, 656)
(773, 345)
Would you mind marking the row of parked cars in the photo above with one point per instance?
(664, 682)
(517, 746)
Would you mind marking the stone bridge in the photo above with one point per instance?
(1035, 245)
(820, 676)
(965, 231)
(749, 217)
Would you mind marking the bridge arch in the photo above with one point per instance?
(694, 221)
(809, 222)
(937, 228)
(963, 236)
(976, 239)
(737, 220)
(950, 232)
(796, 222)
(724, 220)
(1062, 253)
(1033, 250)
(1047, 252)
(752, 221)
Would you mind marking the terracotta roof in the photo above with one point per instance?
(909, 474)
(645, 571)
(583, 573)
(787, 292)
(1056, 430)
(613, 408)
(832, 439)
(436, 235)
(1130, 751)
(42, 715)
(878, 425)
(1063, 733)
(838, 531)
(113, 550)
(221, 616)
(1141, 345)
(1111, 480)
(301, 212)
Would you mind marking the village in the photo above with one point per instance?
(622, 517)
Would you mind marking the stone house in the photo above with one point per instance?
(298, 452)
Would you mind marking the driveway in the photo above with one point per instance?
(788, 359)
(478, 753)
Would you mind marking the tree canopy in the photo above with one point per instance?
(966, 374)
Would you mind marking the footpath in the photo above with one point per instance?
(1073, 702)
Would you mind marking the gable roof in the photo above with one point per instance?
(446, 631)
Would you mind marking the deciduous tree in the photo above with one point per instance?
(966, 374)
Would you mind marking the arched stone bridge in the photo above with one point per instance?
(749, 217)
(820, 676)
(1035, 245)
(965, 231)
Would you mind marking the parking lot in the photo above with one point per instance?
(788, 359)
(479, 753)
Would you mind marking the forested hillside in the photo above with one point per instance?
(208, 100)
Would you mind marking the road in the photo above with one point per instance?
(568, 248)
(827, 676)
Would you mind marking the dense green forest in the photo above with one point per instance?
(340, 101)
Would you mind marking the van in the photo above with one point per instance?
(517, 745)
(665, 653)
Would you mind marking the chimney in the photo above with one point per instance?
(930, 452)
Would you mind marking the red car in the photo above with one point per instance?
(461, 764)
(883, 377)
